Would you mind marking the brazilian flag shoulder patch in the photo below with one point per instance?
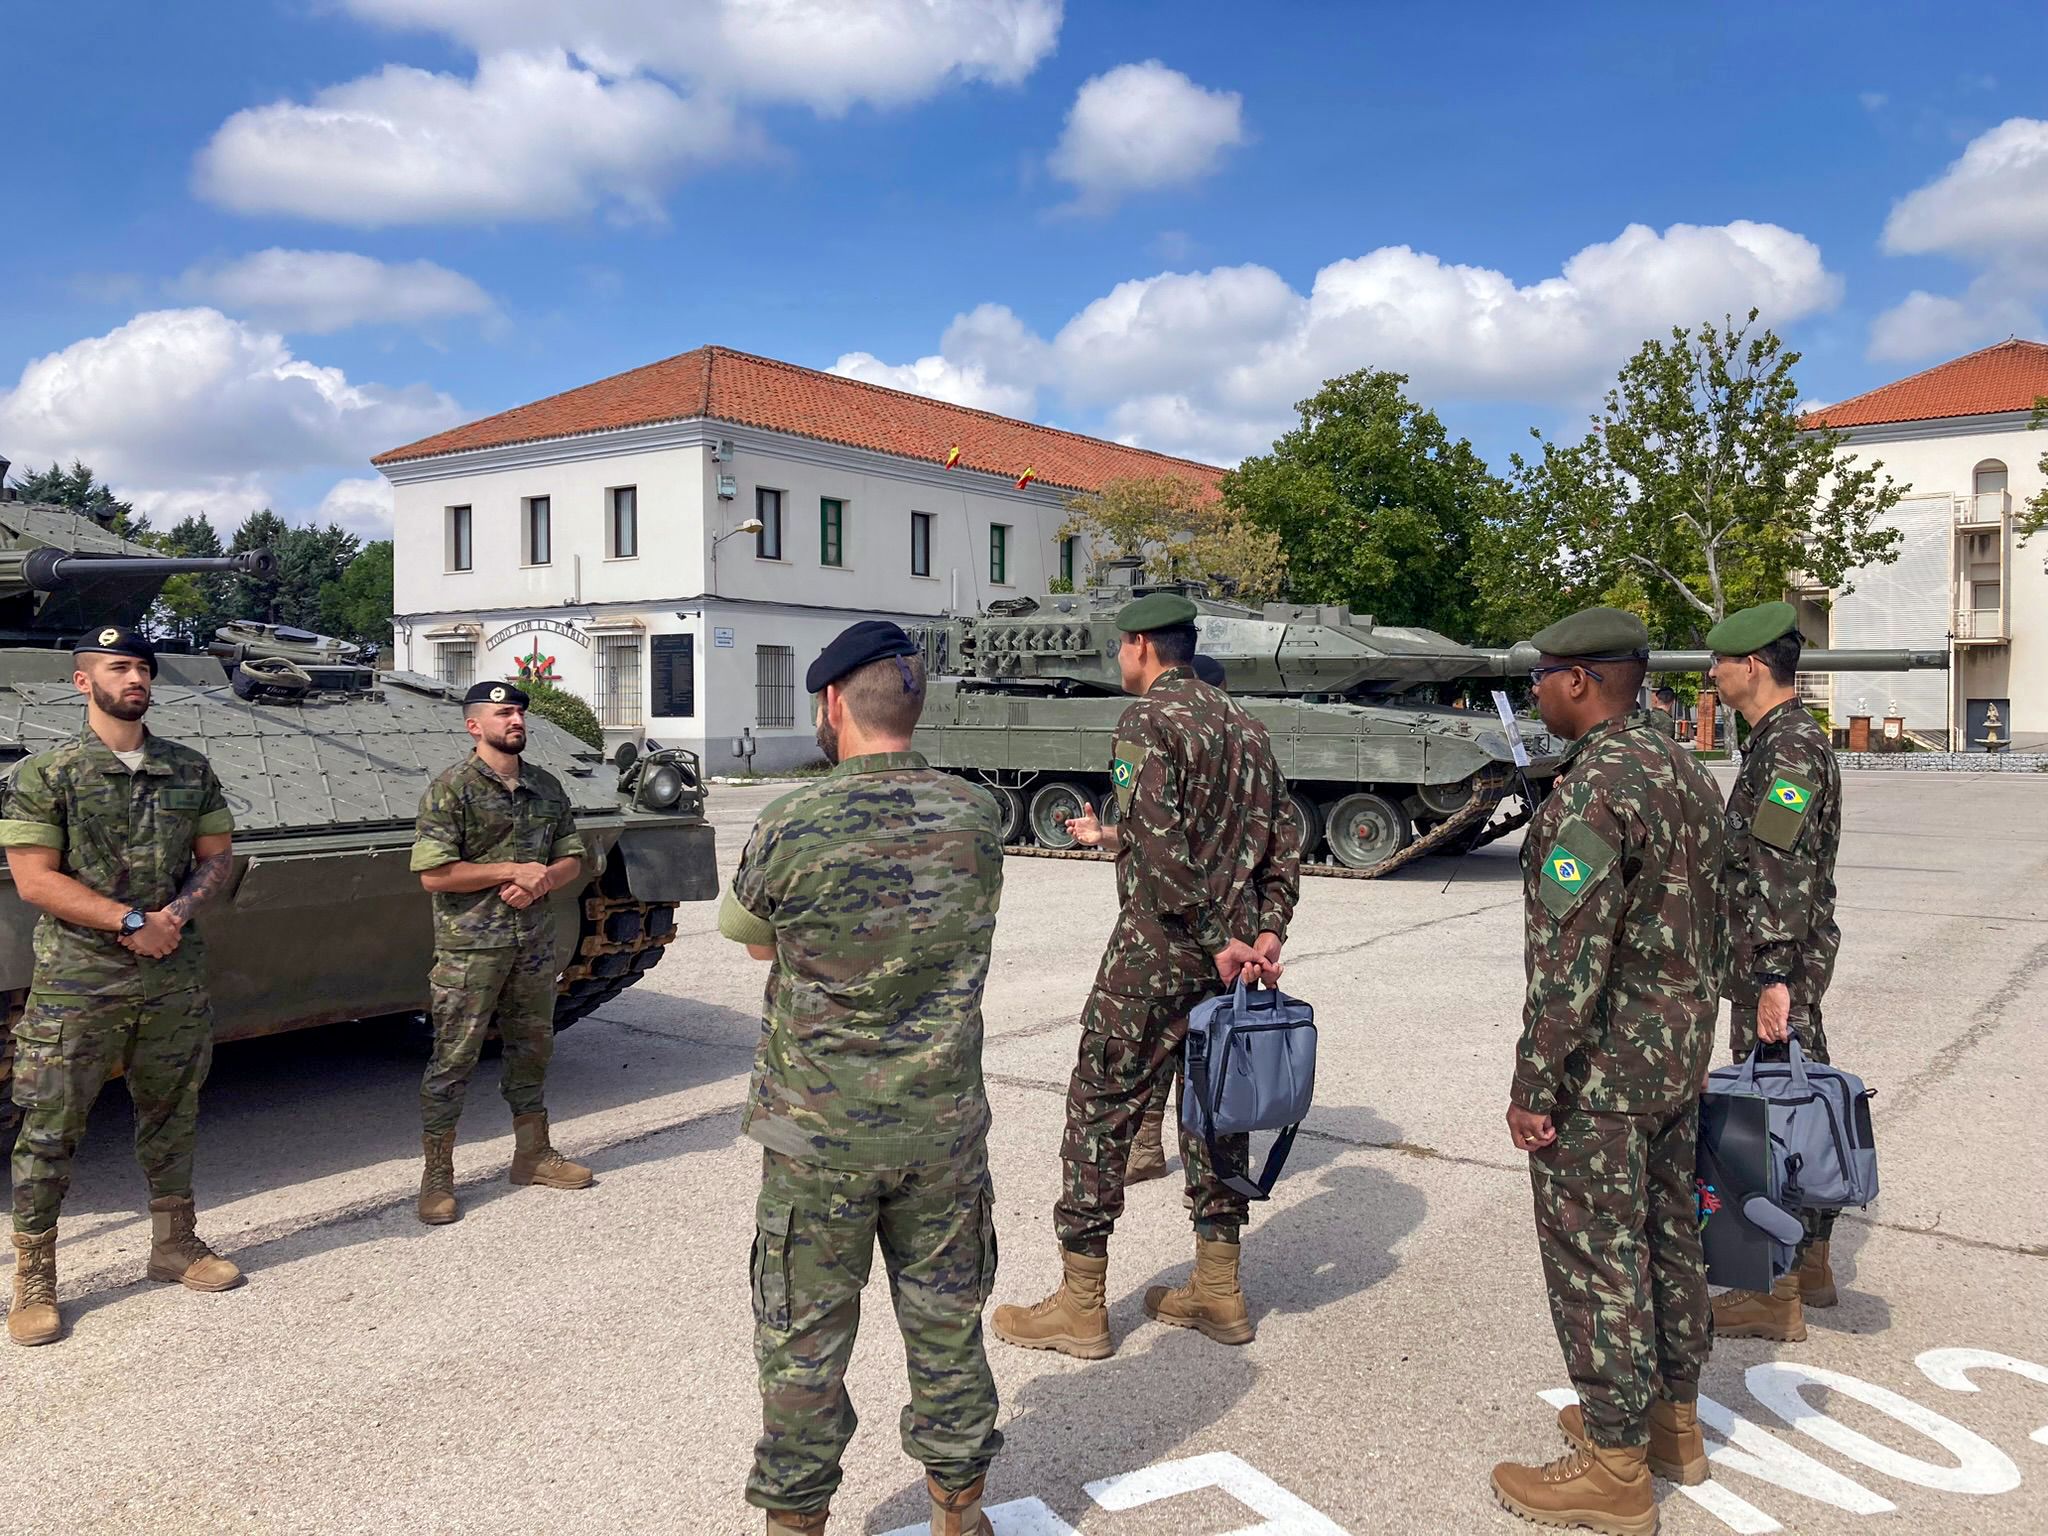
(1781, 812)
(1124, 767)
(1577, 860)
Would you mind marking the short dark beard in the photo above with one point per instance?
(110, 704)
(828, 742)
(503, 745)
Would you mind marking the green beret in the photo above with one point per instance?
(1752, 629)
(1156, 610)
(1595, 634)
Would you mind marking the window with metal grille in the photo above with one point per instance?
(920, 543)
(774, 686)
(625, 522)
(455, 663)
(999, 553)
(458, 539)
(539, 530)
(768, 508)
(617, 659)
(831, 531)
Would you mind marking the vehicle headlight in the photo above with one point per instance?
(661, 786)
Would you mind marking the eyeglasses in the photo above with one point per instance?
(1537, 674)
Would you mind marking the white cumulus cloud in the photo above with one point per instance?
(186, 409)
(987, 359)
(319, 292)
(1210, 364)
(1142, 126)
(363, 507)
(1928, 325)
(599, 105)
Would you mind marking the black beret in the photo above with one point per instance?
(1210, 670)
(856, 646)
(1595, 634)
(495, 693)
(116, 640)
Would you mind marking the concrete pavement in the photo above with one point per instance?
(581, 1361)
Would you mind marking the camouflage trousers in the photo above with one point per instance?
(66, 1047)
(1813, 1041)
(814, 1241)
(1130, 1053)
(1617, 1221)
(472, 988)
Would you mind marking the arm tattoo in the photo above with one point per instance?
(208, 877)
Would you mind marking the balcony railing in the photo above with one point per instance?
(1986, 509)
(1981, 625)
(1815, 689)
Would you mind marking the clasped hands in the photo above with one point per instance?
(528, 884)
(1254, 964)
(159, 936)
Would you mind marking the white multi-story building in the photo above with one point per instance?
(1959, 439)
(607, 534)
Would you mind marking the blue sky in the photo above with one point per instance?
(253, 243)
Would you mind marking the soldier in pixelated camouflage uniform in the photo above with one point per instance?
(1784, 827)
(1622, 871)
(1208, 871)
(874, 893)
(495, 837)
(118, 836)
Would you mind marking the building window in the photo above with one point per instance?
(774, 686)
(1067, 560)
(623, 536)
(920, 543)
(617, 661)
(455, 663)
(768, 508)
(459, 549)
(1988, 484)
(831, 531)
(999, 553)
(539, 538)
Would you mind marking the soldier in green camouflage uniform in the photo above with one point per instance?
(1622, 867)
(118, 837)
(1208, 871)
(874, 893)
(495, 837)
(1784, 827)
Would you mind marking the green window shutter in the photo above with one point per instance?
(831, 529)
(998, 552)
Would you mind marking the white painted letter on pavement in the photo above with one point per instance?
(1285, 1514)
(1951, 1367)
(1981, 1467)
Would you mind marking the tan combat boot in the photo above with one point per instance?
(1148, 1152)
(437, 1181)
(33, 1318)
(1816, 1278)
(1601, 1488)
(1756, 1315)
(176, 1252)
(1678, 1453)
(535, 1161)
(958, 1514)
(787, 1522)
(1072, 1320)
(1210, 1301)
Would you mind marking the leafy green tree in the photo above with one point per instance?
(81, 490)
(308, 561)
(1182, 532)
(191, 606)
(358, 606)
(2034, 515)
(1698, 491)
(1372, 502)
(568, 711)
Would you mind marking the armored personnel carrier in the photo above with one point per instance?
(1384, 732)
(323, 760)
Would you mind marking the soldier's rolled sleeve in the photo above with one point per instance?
(1569, 958)
(1169, 882)
(437, 839)
(742, 926)
(214, 816)
(568, 843)
(35, 814)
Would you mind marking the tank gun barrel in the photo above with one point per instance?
(1817, 661)
(48, 569)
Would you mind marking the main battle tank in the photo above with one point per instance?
(323, 760)
(1380, 768)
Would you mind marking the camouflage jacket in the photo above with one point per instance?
(1784, 827)
(1621, 892)
(470, 815)
(127, 836)
(878, 887)
(1208, 850)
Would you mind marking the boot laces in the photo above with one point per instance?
(38, 1286)
(1574, 1463)
(549, 1158)
(439, 1180)
(184, 1240)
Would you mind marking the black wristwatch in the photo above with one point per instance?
(1770, 979)
(133, 921)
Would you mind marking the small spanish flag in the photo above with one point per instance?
(952, 456)
(1026, 478)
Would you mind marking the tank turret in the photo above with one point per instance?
(60, 572)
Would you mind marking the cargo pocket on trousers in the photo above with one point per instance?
(770, 1264)
(986, 1213)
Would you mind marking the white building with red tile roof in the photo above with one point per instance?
(1959, 436)
(599, 527)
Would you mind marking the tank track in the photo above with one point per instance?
(1477, 816)
(618, 940)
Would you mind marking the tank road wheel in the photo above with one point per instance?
(1308, 815)
(1051, 805)
(1009, 812)
(1365, 829)
(1443, 801)
(1107, 811)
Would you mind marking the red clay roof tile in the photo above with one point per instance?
(2010, 376)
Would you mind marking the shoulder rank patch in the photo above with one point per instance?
(1124, 768)
(1574, 865)
(1781, 813)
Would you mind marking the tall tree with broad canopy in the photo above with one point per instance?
(1699, 490)
(2034, 515)
(1182, 532)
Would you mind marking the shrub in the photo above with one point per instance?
(566, 710)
